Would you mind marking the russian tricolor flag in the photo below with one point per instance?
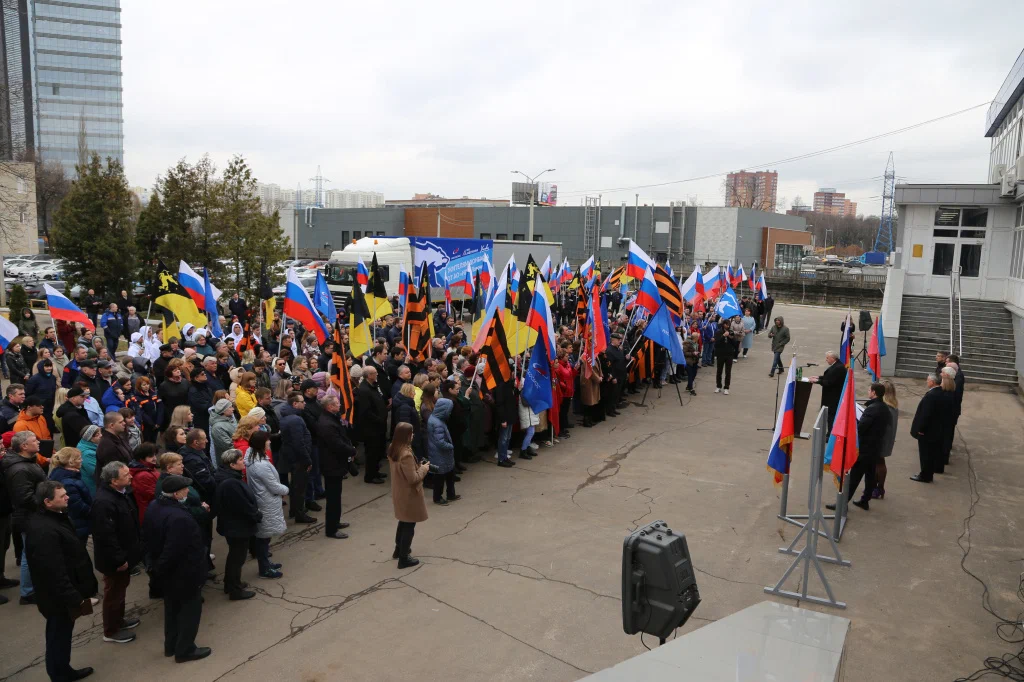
(486, 279)
(8, 332)
(781, 453)
(467, 283)
(637, 262)
(762, 288)
(362, 274)
(587, 270)
(845, 356)
(713, 282)
(539, 317)
(193, 284)
(693, 288)
(730, 275)
(740, 276)
(403, 283)
(61, 308)
(298, 306)
(648, 297)
(753, 276)
(876, 349)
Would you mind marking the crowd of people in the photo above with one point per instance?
(148, 446)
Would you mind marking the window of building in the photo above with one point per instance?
(502, 236)
(944, 233)
(56, 89)
(972, 234)
(485, 235)
(942, 264)
(947, 217)
(788, 256)
(519, 237)
(970, 260)
(380, 234)
(344, 237)
(356, 234)
(538, 237)
(974, 217)
(1015, 254)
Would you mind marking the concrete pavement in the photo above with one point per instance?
(520, 579)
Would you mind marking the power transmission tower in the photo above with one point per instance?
(883, 240)
(318, 188)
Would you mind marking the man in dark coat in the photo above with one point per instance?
(372, 420)
(239, 308)
(73, 417)
(336, 453)
(62, 574)
(617, 371)
(238, 518)
(831, 382)
(311, 413)
(197, 465)
(10, 408)
(296, 458)
(160, 365)
(725, 353)
(377, 359)
(200, 397)
(117, 546)
(506, 414)
(928, 428)
(43, 385)
(178, 555)
(265, 400)
(21, 475)
(113, 446)
(871, 430)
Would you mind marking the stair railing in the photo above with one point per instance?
(956, 294)
(952, 290)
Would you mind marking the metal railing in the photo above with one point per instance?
(835, 276)
(954, 286)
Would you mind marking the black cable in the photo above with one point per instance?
(1010, 665)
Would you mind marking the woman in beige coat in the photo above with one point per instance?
(406, 493)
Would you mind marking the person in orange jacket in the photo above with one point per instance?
(31, 419)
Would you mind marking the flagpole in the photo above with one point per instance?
(284, 325)
(472, 379)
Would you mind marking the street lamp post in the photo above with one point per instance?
(533, 198)
(827, 230)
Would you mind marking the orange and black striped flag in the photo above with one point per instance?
(669, 291)
(340, 377)
(246, 342)
(581, 310)
(495, 349)
(643, 367)
(417, 328)
(615, 281)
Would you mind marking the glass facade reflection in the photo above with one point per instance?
(76, 48)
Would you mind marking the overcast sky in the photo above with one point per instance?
(404, 97)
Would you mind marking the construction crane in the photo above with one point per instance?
(883, 240)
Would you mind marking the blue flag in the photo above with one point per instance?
(660, 330)
(322, 300)
(210, 306)
(728, 305)
(537, 382)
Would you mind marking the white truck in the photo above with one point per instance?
(445, 257)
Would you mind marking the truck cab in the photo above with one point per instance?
(340, 270)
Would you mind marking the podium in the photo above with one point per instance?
(800, 399)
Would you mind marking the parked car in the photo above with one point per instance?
(32, 270)
(306, 277)
(35, 289)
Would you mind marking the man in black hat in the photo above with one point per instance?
(616, 373)
(160, 366)
(177, 554)
(87, 372)
(105, 370)
(73, 417)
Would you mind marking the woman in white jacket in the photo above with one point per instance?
(266, 485)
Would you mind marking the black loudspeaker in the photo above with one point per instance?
(659, 588)
(865, 321)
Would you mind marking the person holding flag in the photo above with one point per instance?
(876, 350)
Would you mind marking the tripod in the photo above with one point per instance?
(862, 356)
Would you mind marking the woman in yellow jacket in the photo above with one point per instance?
(245, 399)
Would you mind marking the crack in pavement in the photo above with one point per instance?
(312, 530)
(495, 628)
(611, 464)
(319, 614)
(492, 565)
(728, 580)
(463, 528)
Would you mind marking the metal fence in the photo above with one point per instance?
(827, 276)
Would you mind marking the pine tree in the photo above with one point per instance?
(93, 230)
(17, 300)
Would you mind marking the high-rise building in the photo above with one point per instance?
(61, 78)
(757, 190)
(347, 198)
(827, 200)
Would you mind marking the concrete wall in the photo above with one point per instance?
(749, 234)
(18, 203)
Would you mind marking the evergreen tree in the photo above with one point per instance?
(17, 300)
(93, 229)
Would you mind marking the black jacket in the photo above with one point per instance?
(238, 308)
(371, 414)
(296, 441)
(43, 387)
(73, 420)
(59, 564)
(111, 448)
(21, 476)
(238, 515)
(725, 346)
(335, 448)
(872, 427)
(176, 548)
(616, 362)
(197, 467)
(311, 415)
(8, 415)
(383, 380)
(16, 367)
(159, 367)
(959, 393)
(115, 530)
(933, 412)
(831, 381)
(403, 409)
(200, 399)
(274, 424)
(172, 394)
(506, 404)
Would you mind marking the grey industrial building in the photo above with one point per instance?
(682, 235)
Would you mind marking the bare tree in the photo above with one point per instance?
(743, 190)
(52, 186)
